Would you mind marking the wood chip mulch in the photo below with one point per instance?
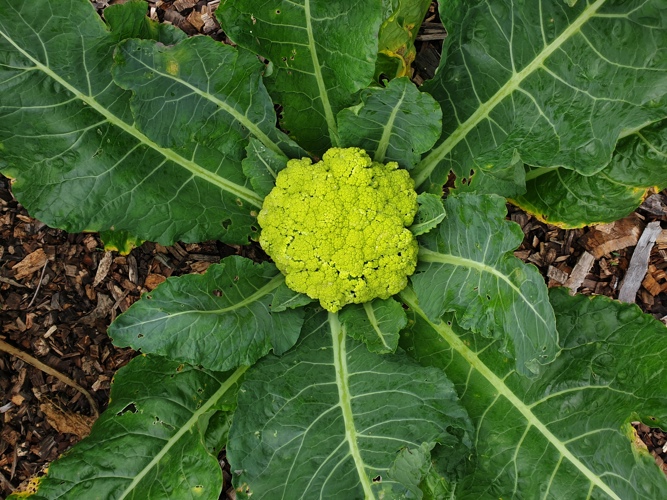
(60, 291)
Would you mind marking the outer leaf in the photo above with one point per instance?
(397, 37)
(219, 320)
(375, 323)
(329, 418)
(322, 52)
(467, 266)
(558, 85)
(431, 213)
(566, 434)
(395, 123)
(70, 141)
(149, 443)
(568, 199)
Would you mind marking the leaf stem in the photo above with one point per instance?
(324, 96)
(338, 339)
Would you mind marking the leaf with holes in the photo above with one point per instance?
(550, 83)
(219, 320)
(160, 413)
(329, 418)
(567, 434)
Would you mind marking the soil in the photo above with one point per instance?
(60, 291)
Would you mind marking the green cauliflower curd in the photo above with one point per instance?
(338, 229)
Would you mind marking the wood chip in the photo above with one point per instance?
(639, 263)
(31, 263)
(103, 268)
(651, 285)
(66, 421)
(181, 5)
(581, 269)
(153, 280)
(557, 275)
(103, 308)
(606, 238)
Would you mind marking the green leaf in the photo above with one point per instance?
(322, 53)
(261, 166)
(149, 443)
(328, 419)
(569, 199)
(396, 123)
(375, 323)
(79, 160)
(468, 267)
(556, 85)
(219, 320)
(566, 434)
(402, 19)
(431, 213)
(119, 241)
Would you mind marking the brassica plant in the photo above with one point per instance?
(474, 380)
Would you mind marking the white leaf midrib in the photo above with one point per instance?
(338, 340)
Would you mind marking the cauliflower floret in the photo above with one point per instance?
(337, 229)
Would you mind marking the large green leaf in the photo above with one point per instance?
(219, 320)
(566, 434)
(321, 51)
(569, 199)
(467, 266)
(551, 84)
(329, 419)
(396, 123)
(79, 159)
(150, 442)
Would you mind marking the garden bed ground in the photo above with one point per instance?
(59, 292)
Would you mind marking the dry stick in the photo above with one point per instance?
(4, 346)
(39, 285)
(639, 263)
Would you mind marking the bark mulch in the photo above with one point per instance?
(60, 291)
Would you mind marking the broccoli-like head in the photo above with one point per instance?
(337, 229)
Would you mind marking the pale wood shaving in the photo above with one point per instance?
(639, 263)
(581, 269)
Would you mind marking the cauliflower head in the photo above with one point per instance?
(338, 229)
